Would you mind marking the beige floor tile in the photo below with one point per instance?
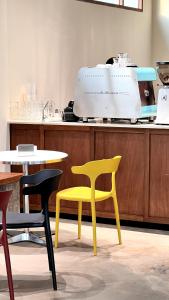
(136, 270)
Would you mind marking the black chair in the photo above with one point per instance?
(44, 183)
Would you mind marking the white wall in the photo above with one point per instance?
(3, 75)
(160, 42)
(49, 41)
(4, 135)
(45, 42)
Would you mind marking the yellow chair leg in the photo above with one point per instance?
(116, 210)
(57, 221)
(79, 218)
(93, 209)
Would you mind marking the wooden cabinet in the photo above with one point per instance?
(143, 175)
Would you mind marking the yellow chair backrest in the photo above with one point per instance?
(95, 168)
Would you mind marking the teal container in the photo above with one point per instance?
(146, 74)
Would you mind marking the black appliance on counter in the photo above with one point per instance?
(68, 115)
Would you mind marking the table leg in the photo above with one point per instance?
(26, 236)
(26, 197)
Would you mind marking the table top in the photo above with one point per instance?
(13, 157)
(8, 178)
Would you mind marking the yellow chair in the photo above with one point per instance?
(81, 194)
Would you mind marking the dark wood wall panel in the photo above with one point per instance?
(131, 174)
(77, 144)
(159, 174)
(26, 134)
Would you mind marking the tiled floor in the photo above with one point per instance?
(136, 270)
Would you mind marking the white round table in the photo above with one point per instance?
(36, 157)
(13, 157)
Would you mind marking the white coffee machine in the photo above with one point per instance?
(115, 92)
(163, 94)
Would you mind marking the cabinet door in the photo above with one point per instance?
(131, 176)
(26, 134)
(159, 176)
(76, 142)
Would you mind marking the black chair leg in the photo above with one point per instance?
(48, 250)
(49, 245)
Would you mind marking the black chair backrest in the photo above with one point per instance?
(44, 183)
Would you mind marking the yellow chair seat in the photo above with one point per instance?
(82, 193)
(93, 170)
